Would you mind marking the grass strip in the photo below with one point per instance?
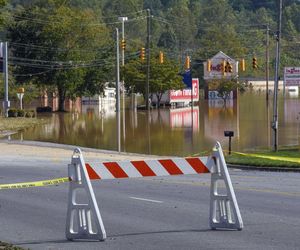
(7, 246)
(282, 158)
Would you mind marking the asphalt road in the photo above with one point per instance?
(149, 213)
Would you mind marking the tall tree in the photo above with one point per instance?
(2, 16)
(164, 77)
(60, 43)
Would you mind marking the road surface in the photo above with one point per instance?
(144, 213)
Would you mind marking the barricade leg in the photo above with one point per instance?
(83, 218)
(224, 209)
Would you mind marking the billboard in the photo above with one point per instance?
(185, 94)
(216, 71)
(292, 76)
(181, 96)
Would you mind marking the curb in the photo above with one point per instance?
(268, 169)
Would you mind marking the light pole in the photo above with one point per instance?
(118, 90)
(123, 20)
(148, 59)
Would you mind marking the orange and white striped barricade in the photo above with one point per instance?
(224, 210)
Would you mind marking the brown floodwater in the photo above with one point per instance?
(183, 131)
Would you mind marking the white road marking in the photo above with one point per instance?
(142, 199)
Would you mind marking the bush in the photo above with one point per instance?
(21, 113)
(30, 113)
(12, 113)
(27, 114)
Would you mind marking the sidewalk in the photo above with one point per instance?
(61, 151)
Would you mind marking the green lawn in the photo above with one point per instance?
(289, 158)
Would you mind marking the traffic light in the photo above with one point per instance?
(123, 44)
(187, 63)
(229, 67)
(208, 65)
(142, 54)
(254, 63)
(161, 57)
(243, 65)
(223, 67)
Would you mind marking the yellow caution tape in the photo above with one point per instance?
(34, 183)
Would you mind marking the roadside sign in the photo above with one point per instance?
(292, 76)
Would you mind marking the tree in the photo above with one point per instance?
(163, 77)
(226, 86)
(58, 46)
(2, 4)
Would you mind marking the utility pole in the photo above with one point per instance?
(275, 105)
(148, 60)
(6, 103)
(118, 90)
(267, 61)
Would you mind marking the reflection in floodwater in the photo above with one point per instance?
(184, 131)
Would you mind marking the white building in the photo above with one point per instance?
(109, 96)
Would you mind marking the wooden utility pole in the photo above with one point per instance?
(275, 105)
(267, 61)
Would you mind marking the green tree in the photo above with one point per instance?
(226, 86)
(163, 77)
(62, 42)
(2, 13)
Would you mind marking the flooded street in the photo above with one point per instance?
(181, 131)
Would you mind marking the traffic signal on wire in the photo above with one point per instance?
(223, 67)
(243, 65)
(187, 62)
(229, 67)
(161, 57)
(123, 44)
(208, 65)
(142, 54)
(254, 63)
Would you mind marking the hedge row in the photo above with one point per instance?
(21, 113)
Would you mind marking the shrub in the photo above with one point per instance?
(21, 112)
(27, 114)
(12, 113)
(30, 113)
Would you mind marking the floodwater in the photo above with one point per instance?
(177, 131)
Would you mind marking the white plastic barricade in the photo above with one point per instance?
(84, 220)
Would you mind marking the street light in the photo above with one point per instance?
(123, 19)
